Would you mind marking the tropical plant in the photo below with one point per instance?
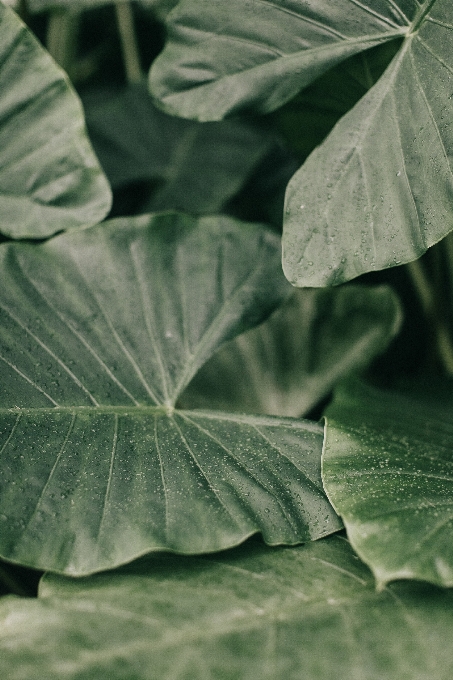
(208, 472)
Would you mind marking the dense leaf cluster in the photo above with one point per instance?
(161, 383)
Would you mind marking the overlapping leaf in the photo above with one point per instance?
(377, 192)
(100, 332)
(291, 361)
(50, 179)
(310, 612)
(200, 167)
(388, 470)
(224, 57)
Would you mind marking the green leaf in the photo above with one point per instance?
(200, 167)
(161, 7)
(111, 484)
(307, 119)
(223, 57)
(50, 179)
(289, 363)
(100, 331)
(377, 192)
(307, 612)
(388, 470)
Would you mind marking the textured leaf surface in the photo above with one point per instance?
(388, 470)
(257, 55)
(84, 490)
(100, 332)
(377, 192)
(289, 363)
(306, 613)
(200, 166)
(125, 313)
(50, 179)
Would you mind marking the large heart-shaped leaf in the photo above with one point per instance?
(100, 332)
(305, 613)
(222, 57)
(200, 167)
(290, 362)
(50, 179)
(377, 192)
(388, 470)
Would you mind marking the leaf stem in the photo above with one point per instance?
(430, 308)
(125, 21)
(61, 40)
(421, 14)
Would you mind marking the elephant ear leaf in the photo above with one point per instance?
(100, 331)
(222, 57)
(377, 192)
(50, 179)
(309, 611)
(388, 470)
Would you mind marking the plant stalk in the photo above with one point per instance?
(431, 310)
(125, 21)
(61, 40)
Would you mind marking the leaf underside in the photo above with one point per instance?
(305, 612)
(50, 179)
(388, 470)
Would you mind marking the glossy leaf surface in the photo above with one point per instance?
(377, 192)
(305, 613)
(388, 470)
(257, 55)
(50, 179)
(100, 332)
(290, 362)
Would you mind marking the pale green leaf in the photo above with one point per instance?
(377, 192)
(305, 613)
(50, 179)
(221, 57)
(100, 331)
(290, 362)
(388, 470)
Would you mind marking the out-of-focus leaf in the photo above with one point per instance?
(50, 179)
(388, 470)
(289, 363)
(161, 7)
(305, 613)
(199, 166)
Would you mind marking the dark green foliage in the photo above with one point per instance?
(115, 333)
